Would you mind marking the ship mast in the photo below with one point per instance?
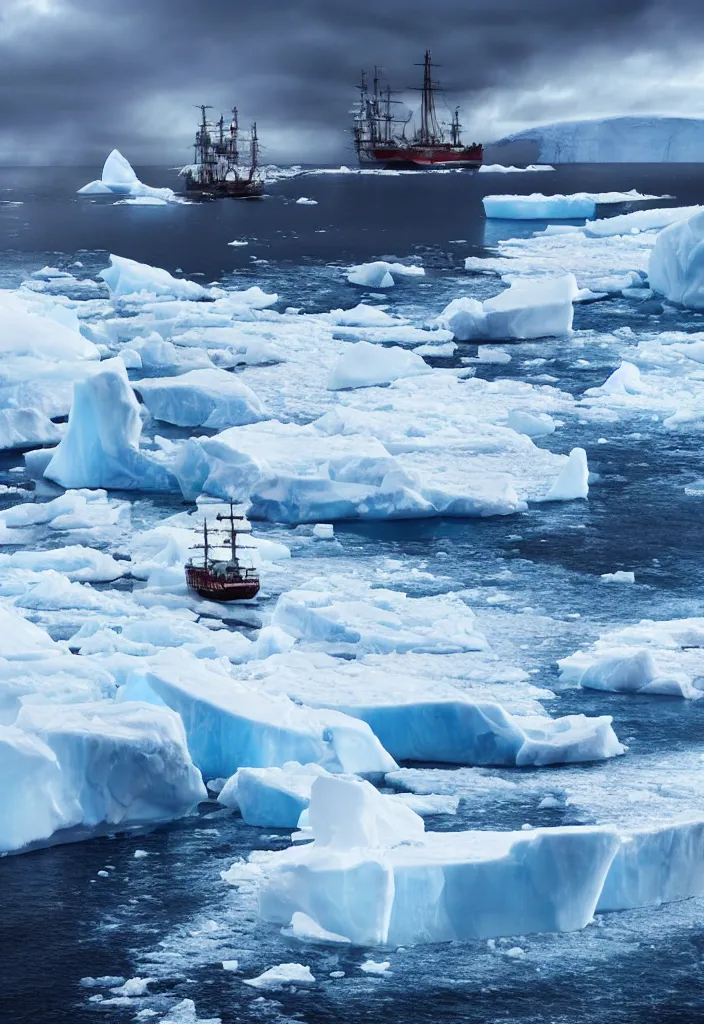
(429, 129)
(254, 150)
(205, 543)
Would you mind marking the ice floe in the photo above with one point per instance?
(364, 364)
(230, 725)
(201, 398)
(413, 886)
(526, 309)
(650, 657)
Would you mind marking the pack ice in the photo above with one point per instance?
(118, 178)
(649, 657)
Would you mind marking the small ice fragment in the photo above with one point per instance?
(133, 987)
(548, 802)
(139, 854)
(103, 874)
(282, 974)
(304, 201)
(372, 967)
(618, 577)
(337, 974)
(326, 531)
(230, 965)
(516, 953)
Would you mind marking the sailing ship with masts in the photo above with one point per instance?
(220, 575)
(219, 150)
(380, 136)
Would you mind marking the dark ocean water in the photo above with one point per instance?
(61, 922)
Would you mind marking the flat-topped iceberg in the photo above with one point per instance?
(118, 178)
(418, 714)
(201, 398)
(230, 725)
(539, 207)
(344, 610)
(101, 444)
(89, 764)
(375, 877)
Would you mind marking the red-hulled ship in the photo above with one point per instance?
(221, 577)
(380, 137)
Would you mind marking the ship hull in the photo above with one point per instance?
(228, 189)
(215, 588)
(424, 157)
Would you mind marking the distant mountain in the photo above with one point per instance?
(612, 140)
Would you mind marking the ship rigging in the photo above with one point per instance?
(219, 149)
(221, 576)
(380, 136)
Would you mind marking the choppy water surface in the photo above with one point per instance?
(533, 580)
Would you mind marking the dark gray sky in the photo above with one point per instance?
(78, 77)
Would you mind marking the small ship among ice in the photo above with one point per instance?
(217, 170)
(380, 137)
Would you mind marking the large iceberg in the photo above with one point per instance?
(118, 178)
(89, 764)
(373, 876)
(527, 309)
(101, 445)
(230, 725)
(630, 140)
(676, 267)
(201, 398)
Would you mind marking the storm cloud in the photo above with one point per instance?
(78, 77)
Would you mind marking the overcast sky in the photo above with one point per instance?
(78, 77)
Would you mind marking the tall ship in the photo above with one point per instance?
(226, 161)
(380, 137)
(219, 574)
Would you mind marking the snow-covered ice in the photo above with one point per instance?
(530, 309)
(650, 657)
(379, 880)
(85, 764)
(201, 398)
(119, 178)
(676, 268)
(364, 364)
(101, 444)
